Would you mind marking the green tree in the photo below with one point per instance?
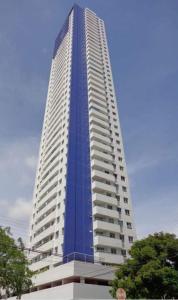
(15, 275)
(152, 269)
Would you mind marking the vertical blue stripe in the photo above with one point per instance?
(78, 233)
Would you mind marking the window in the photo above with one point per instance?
(113, 251)
(111, 220)
(112, 235)
(125, 200)
(122, 237)
(120, 223)
(109, 206)
(99, 232)
(130, 239)
(121, 168)
(107, 182)
(119, 209)
(57, 234)
(129, 225)
(108, 194)
(127, 212)
(124, 188)
(122, 178)
(123, 252)
(100, 249)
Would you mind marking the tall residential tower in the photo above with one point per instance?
(82, 206)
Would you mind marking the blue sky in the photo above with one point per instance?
(143, 42)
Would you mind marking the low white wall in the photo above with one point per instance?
(55, 293)
(70, 291)
(90, 291)
(75, 268)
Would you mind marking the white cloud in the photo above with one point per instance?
(141, 164)
(18, 162)
(21, 210)
(17, 177)
(16, 215)
(18, 155)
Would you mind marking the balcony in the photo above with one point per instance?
(41, 264)
(109, 258)
(98, 137)
(94, 64)
(98, 122)
(102, 175)
(46, 219)
(98, 115)
(48, 186)
(51, 169)
(99, 198)
(92, 71)
(98, 108)
(94, 56)
(51, 204)
(93, 51)
(98, 103)
(91, 20)
(96, 185)
(99, 130)
(96, 94)
(46, 197)
(102, 165)
(101, 225)
(107, 241)
(99, 146)
(93, 83)
(92, 34)
(102, 211)
(46, 246)
(46, 232)
(99, 154)
(92, 78)
(90, 41)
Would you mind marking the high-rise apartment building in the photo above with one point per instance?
(82, 206)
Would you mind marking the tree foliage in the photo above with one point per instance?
(15, 275)
(152, 269)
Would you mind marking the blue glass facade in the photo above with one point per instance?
(78, 233)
